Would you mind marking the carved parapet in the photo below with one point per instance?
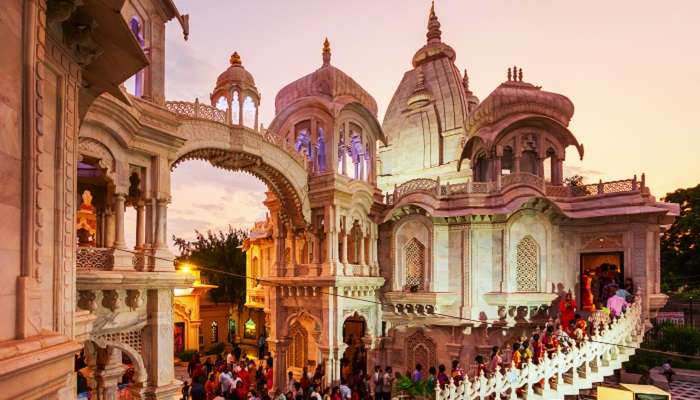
(94, 259)
(86, 300)
(110, 299)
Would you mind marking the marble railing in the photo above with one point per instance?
(431, 186)
(197, 110)
(94, 259)
(565, 373)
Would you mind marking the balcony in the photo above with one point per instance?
(520, 306)
(420, 303)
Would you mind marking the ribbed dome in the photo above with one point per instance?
(236, 77)
(514, 97)
(327, 81)
(236, 73)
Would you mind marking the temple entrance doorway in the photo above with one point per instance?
(601, 275)
(355, 354)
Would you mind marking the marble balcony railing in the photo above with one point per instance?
(434, 188)
(565, 374)
(103, 259)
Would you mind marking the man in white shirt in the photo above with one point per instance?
(226, 381)
(345, 392)
(290, 382)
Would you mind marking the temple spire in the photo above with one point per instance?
(434, 32)
(326, 52)
(465, 81)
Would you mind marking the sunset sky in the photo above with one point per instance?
(632, 69)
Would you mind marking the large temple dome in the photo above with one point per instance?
(329, 82)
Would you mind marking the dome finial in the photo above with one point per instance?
(434, 32)
(235, 59)
(326, 52)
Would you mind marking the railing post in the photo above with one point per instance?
(634, 182)
(437, 187)
(600, 186)
(196, 107)
(643, 183)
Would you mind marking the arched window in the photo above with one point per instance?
(528, 162)
(255, 269)
(214, 332)
(507, 161)
(420, 349)
(414, 263)
(481, 169)
(134, 84)
(527, 265)
(235, 108)
(298, 350)
(249, 112)
(222, 103)
(249, 329)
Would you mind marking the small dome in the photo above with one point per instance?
(327, 81)
(235, 77)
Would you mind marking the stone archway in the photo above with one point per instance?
(262, 154)
(355, 353)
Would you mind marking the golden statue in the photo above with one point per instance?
(86, 221)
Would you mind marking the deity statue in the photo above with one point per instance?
(86, 221)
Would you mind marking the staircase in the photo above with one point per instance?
(565, 373)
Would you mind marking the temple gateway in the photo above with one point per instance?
(446, 229)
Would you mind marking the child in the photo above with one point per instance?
(186, 391)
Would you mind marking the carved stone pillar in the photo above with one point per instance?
(119, 241)
(240, 110)
(109, 371)
(161, 224)
(150, 223)
(140, 226)
(158, 345)
(278, 348)
(344, 254)
(316, 249)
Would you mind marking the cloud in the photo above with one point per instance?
(588, 175)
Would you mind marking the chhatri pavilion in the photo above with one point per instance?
(444, 230)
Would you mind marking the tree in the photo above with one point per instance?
(221, 251)
(680, 245)
(574, 180)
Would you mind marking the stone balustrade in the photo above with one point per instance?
(94, 259)
(565, 373)
(197, 110)
(433, 187)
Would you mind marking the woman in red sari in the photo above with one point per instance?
(567, 309)
(587, 293)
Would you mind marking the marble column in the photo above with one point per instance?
(162, 259)
(158, 345)
(109, 372)
(278, 348)
(119, 241)
(140, 225)
(150, 223)
(344, 254)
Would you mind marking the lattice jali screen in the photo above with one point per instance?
(420, 350)
(132, 338)
(298, 350)
(528, 265)
(414, 261)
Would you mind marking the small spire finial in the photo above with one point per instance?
(509, 74)
(235, 59)
(465, 81)
(434, 34)
(520, 74)
(326, 52)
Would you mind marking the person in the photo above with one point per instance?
(315, 395)
(197, 390)
(345, 392)
(378, 383)
(192, 365)
(617, 303)
(567, 309)
(226, 381)
(210, 386)
(481, 366)
(290, 381)
(432, 379)
(550, 342)
(186, 391)
(261, 346)
(517, 357)
(305, 379)
(457, 373)
(587, 281)
(268, 374)
(230, 360)
(442, 377)
(388, 382)
(417, 375)
(536, 349)
(335, 393)
(496, 359)
(668, 371)
(629, 286)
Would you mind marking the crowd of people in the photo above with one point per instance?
(239, 378)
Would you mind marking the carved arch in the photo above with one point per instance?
(420, 349)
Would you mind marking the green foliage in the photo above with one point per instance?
(222, 251)
(414, 389)
(216, 348)
(680, 245)
(679, 339)
(186, 355)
